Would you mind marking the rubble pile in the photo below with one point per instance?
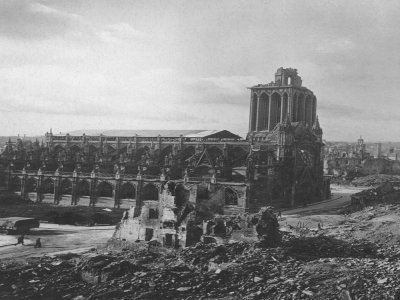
(301, 268)
(324, 246)
(374, 180)
(386, 192)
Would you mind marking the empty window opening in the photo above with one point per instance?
(153, 213)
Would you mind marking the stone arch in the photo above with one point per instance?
(104, 189)
(15, 184)
(58, 148)
(253, 112)
(127, 191)
(150, 192)
(83, 188)
(231, 197)
(295, 107)
(30, 185)
(48, 186)
(275, 112)
(308, 110)
(75, 148)
(144, 149)
(108, 150)
(263, 112)
(66, 187)
(300, 108)
(285, 102)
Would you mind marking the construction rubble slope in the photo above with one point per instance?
(348, 256)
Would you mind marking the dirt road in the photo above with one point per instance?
(55, 239)
(340, 198)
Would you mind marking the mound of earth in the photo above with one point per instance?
(374, 180)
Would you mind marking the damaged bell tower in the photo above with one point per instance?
(285, 167)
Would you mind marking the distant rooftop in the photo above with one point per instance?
(155, 133)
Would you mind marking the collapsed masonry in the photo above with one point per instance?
(164, 220)
(386, 192)
(187, 214)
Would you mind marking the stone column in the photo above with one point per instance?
(118, 143)
(74, 192)
(8, 179)
(159, 141)
(251, 112)
(311, 111)
(39, 188)
(93, 191)
(259, 114)
(257, 108)
(23, 186)
(270, 114)
(290, 107)
(116, 191)
(139, 187)
(57, 193)
(227, 167)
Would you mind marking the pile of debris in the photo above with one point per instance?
(386, 192)
(301, 268)
(375, 180)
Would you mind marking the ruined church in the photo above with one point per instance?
(278, 164)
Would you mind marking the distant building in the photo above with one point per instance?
(345, 159)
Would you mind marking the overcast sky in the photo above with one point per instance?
(78, 64)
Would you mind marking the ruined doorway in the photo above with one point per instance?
(168, 240)
(148, 234)
(231, 197)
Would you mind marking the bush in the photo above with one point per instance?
(72, 218)
(67, 218)
(11, 198)
(102, 218)
(51, 217)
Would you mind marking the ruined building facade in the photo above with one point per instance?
(278, 164)
(285, 162)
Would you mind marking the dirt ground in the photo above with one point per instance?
(55, 239)
(67, 238)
